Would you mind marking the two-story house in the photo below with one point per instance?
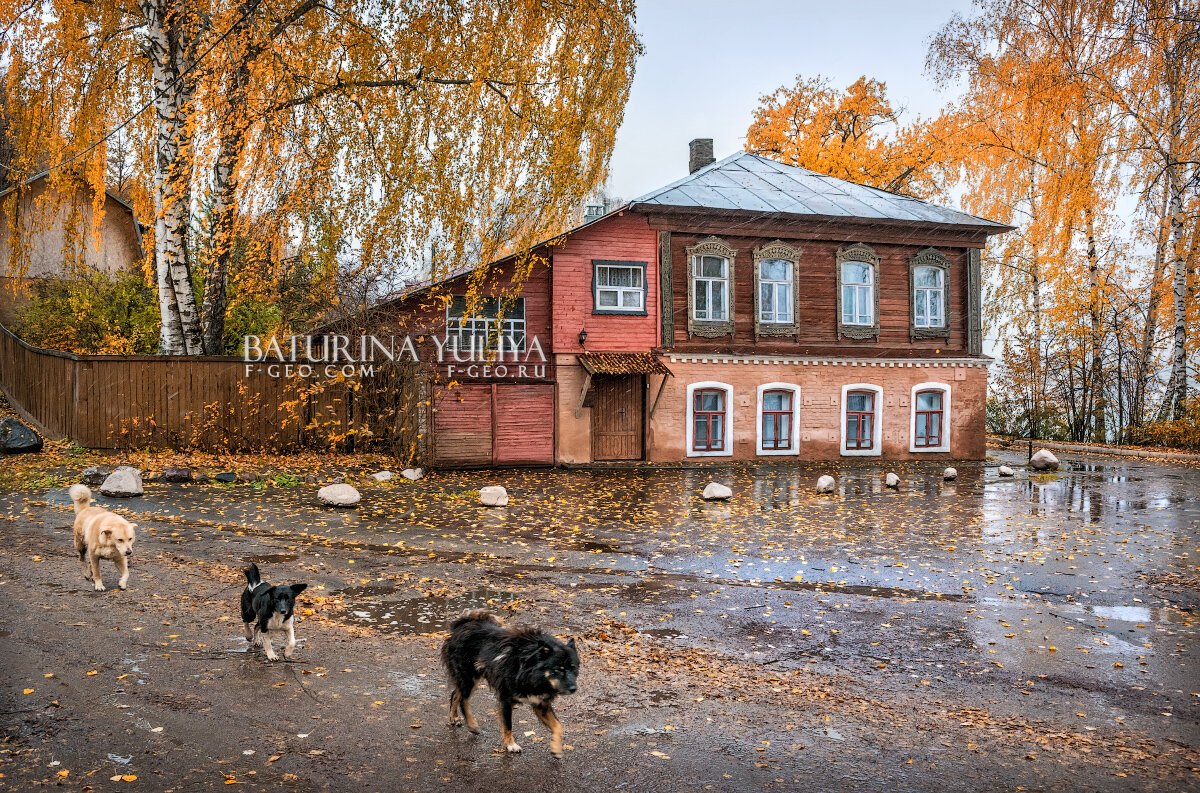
(749, 310)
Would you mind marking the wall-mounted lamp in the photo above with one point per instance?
(582, 336)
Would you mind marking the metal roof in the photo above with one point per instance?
(753, 183)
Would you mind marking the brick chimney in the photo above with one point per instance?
(700, 154)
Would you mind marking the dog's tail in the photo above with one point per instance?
(253, 579)
(475, 615)
(81, 497)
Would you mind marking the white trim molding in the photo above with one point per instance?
(814, 360)
(691, 424)
(912, 418)
(876, 449)
(793, 446)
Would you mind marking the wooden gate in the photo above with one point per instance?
(496, 424)
(617, 409)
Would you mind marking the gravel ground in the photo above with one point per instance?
(1036, 633)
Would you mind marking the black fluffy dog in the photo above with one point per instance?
(267, 608)
(523, 665)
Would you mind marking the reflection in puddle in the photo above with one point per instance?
(422, 615)
(1138, 614)
(270, 558)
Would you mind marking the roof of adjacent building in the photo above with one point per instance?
(753, 183)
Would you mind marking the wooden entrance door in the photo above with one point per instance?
(617, 407)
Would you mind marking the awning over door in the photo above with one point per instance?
(622, 363)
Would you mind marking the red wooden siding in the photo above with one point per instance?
(524, 424)
(462, 426)
(494, 424)
(620, 237)
(817, 313)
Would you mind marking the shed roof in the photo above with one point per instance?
(623, 363)
(753, 183)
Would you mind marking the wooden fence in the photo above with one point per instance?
(210, 403)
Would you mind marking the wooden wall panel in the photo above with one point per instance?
(524, 424)
(624, 237)
(462, 426)
(817, 314)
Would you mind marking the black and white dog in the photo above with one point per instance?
(267, 608)
(522, 665)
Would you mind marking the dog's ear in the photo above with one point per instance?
(106, 532)
(298, 588)
(133, 525)
(571, 642)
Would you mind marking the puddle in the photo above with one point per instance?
(1134, 614)
(270, 558)
(424, 615)
(663, 633)
(601, 547)
(120, 759)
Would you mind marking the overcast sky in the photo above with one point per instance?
(707, 62)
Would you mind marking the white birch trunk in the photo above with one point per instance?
(180, 334)
(1177, 383)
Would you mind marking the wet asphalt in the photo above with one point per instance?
(1033, 633)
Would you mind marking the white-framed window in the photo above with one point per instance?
(709, 419)
(778, 417)
(862, 417)
(929, 297)
(618, 287)
(478, 332)
(858, 296)
(929, 418)
(775, 296)
(710, 285)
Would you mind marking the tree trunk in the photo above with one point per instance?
(1173, 401)
(1096, 376)
(1137, 410)
(224, 215)
(180, 334)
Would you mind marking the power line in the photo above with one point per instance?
(253, 7)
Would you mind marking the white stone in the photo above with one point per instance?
(826, 484)
(493, 496)
(715, 491)
(1004, 470)
(891, 480)
(125, 482)
(340, 495)
(382, 476)
(413, 473)
(950, 473)
(1043, 460)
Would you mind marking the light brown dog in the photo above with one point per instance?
(100, 534)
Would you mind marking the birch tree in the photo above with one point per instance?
(399, 122)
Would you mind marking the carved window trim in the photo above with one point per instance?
(782, 251)
(710, 246)
(858, 252)
(929, 257)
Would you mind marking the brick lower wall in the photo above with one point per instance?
(819, 422)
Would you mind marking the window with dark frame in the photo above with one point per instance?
(478, 333)
(928, 426)
(860, 420)
(708, 420)
(619, 287)
(777, 420)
